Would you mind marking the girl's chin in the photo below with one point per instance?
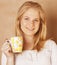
(29, 33)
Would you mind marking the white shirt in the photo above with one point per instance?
(47, 56)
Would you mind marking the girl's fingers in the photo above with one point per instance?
(6, 46)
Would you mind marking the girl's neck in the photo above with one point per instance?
(28, 42)
(28, 37)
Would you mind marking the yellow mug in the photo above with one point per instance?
(16, 44)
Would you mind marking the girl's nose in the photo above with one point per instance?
(31, 24)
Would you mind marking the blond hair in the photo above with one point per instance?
(40, 36)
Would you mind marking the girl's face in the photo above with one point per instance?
(30, 22)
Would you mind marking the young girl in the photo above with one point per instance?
(31, 25)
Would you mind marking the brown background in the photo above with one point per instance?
(8, 12)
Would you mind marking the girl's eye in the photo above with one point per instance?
(35, 20)
(26, 18)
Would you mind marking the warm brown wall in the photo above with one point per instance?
(8, 11)
(52, 20)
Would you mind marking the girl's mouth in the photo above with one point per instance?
(30, 29)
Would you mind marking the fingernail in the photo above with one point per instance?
(7, 41)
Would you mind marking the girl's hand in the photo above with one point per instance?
(7, 50)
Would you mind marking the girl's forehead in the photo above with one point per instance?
(31, 12)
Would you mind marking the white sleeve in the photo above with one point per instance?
(54, 53)
(18, 60)
(21, 60)
(3, 59)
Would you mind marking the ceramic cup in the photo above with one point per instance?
(16, 44)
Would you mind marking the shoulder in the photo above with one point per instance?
(49, 41)
(50, 44)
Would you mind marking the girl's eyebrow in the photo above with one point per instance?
(37, 18)
(28, 17)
